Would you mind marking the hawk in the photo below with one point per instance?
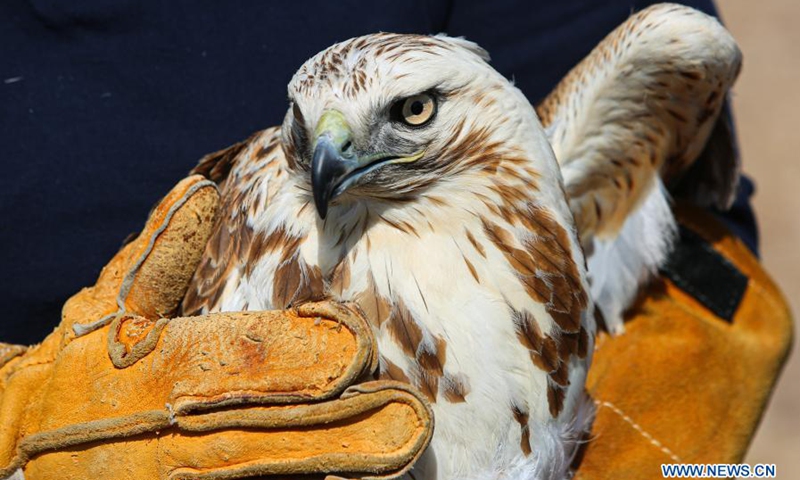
(412, 180)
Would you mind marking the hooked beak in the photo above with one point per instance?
(335, 167)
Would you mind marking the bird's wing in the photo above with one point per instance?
(636, 121)
(248, 174)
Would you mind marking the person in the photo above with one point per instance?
(107, 105)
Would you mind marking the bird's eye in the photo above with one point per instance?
(416, 110)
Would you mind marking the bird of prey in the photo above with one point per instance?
(412, 180)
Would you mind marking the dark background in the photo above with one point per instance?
(106, 104)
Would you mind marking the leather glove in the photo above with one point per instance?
(691, 376)
(121, 390)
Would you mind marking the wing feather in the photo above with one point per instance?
(641, 113)
(256, 167)
(642, 106)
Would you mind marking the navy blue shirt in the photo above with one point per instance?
(106, 104)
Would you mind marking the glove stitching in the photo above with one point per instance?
(638, 428)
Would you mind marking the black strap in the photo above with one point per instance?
(703, 273)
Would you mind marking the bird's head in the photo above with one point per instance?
(387, 116)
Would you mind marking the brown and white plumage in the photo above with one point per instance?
(631, 119)
(458, 244)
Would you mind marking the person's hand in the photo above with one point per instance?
(121, 390)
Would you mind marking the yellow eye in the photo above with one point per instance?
(418, 109)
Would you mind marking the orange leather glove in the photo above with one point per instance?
(682, 384)
(121, 390)
(118, 391)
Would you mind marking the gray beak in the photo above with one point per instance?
(330, 169)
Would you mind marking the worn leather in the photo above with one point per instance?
(121, 390)
(683, 385)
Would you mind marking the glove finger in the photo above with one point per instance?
(375, 430)
(162, 370)
(149, 276)
(169, 249)
(195, 364)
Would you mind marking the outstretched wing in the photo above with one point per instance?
(248, 174)
(630, 120)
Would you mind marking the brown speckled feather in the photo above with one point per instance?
(643, 104)
(464, 256)
(638, 121)
(240, 171)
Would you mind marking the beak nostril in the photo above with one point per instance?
(347, 147)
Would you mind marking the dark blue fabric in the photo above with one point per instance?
(740, 219)
(105, 104)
